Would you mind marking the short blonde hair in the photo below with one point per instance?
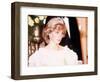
(56, 23)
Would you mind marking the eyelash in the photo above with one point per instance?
(57, 32)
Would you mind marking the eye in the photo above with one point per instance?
(57, 32)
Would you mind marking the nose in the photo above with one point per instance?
(60, 34)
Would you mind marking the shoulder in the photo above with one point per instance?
(66, 48)
(38, 53)
(36, 57)
(70, 52)
(71, 57)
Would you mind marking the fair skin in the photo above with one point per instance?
(53, 54)
(55, 38)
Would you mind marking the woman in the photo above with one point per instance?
(53, 54)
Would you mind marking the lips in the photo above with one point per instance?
(58, 40)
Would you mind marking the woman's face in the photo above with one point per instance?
(56, 36)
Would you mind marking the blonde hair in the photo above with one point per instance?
(53, 24)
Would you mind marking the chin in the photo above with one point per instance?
(58, 42)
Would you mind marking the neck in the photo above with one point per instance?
(54, 46)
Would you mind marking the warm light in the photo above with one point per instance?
(80, 28)
(36, 32)
(30, 21)
(41, 17)
(45, 17)
(36, 20)
(44, 21)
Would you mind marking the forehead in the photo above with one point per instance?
(60, 27)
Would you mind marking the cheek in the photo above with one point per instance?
(54, 36)
(58, 35)
(51, 36)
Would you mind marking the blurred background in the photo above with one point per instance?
(76, 37)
